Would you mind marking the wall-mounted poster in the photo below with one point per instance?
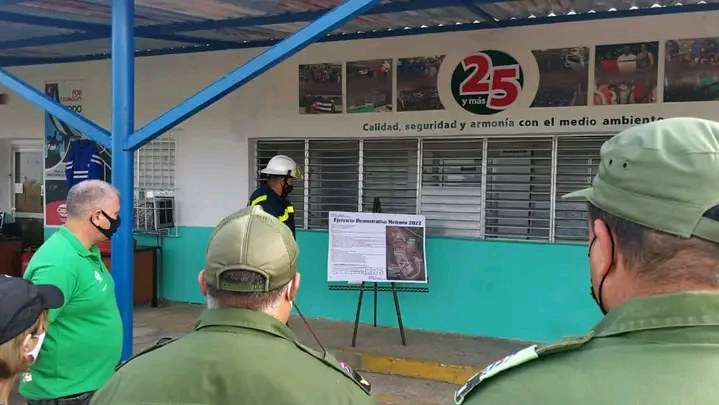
(692, 70)
(369, 86)
(320, 88)
(417, 84)
(626, 73)
(371, 247)
(563, 77)
(60, 141)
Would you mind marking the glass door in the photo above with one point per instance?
(28, 204)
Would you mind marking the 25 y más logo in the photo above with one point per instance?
(487, 82)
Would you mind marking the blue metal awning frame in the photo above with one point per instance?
(180, 32)
(124, 140)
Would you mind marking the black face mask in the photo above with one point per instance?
(114, 225)
(286, 188)
(598, 297)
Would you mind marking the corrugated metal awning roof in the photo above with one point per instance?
(51, 31)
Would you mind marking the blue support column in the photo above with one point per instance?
(71, 118)
(123, 124)
(248, 71)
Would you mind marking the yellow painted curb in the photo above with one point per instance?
(423, 369)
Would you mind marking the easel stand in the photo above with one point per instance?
(376, 288)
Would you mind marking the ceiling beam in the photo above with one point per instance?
(477, 9)
(20, 61)
(11, 2)
(92, 31)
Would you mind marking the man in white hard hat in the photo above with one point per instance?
(272, 196)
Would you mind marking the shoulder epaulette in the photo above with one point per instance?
(163, 341)
(513, 360)
(341, 367)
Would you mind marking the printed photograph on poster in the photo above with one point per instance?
(563, 77)
(417, 84)
(55, 209)
(405, 253)
(691, 70)
(369, 86)
(320, 88)
(373, 247)
(626, 73)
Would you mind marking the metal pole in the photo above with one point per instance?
(64, 114)
(123, 125)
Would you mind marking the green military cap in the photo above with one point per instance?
(251, 240)
(663, 175)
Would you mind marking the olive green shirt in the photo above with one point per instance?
(655, 350)
(233, 357)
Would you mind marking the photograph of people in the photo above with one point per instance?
(626, 74)
(405, 254)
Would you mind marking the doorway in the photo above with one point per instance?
(28, 194)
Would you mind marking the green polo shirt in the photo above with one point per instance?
(83, 343)
(662, 349)
(234, 356)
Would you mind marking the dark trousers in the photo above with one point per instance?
(79, 399)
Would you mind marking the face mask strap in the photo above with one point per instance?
(36, 350)
(114, 224)
(598, 297)
(286, 187)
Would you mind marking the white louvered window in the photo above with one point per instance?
(518, 188)
(577, 161)
(451, 197)
(296, 150)
(155, 204)
(333, 178)
(389, 175)
(483, 187)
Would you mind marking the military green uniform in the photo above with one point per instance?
(656, 350)
(651, 349)
(239, 356)
(234, 356)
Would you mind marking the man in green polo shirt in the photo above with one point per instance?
(654, 272)
(84, 338)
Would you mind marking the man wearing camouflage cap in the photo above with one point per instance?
(241, 351)
(654, 269)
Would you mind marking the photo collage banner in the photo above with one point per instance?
(489, 82)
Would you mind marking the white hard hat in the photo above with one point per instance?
(281, 165)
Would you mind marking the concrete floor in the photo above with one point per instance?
(416, 382)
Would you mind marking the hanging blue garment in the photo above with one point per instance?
(83, 162)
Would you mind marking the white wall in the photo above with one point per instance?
(213, 148)
(210, 151)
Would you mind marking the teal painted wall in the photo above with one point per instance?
(516, 290)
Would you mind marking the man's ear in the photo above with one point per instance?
(603, 252)
(294, 287)
(202, 282)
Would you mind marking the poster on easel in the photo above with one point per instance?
(59, 138)
(373, 247)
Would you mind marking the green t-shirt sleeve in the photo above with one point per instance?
(57, 274)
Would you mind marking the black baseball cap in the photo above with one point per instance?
(22, 302)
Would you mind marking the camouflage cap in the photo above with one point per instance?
(663, 175)
(251, 240)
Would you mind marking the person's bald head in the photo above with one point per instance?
(93, 211)
(91, 195)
